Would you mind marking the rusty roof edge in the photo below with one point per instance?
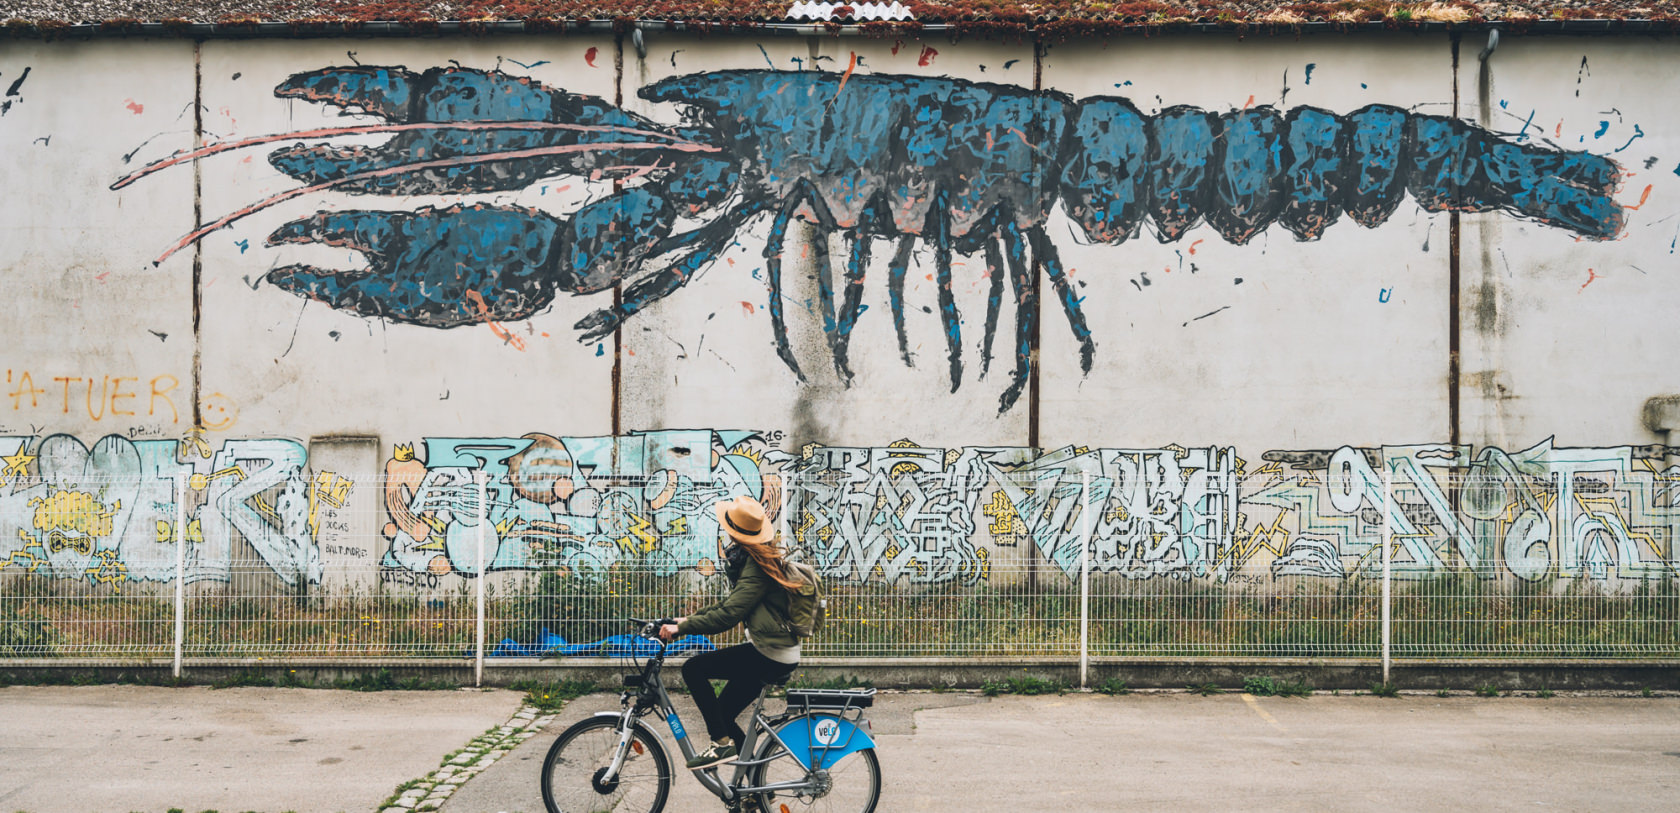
(316, 28)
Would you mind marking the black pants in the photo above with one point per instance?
(747, 671)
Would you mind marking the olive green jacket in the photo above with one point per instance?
(756, 599)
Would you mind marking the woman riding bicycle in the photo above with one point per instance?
(757, 596)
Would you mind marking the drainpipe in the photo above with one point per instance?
(1492, 45)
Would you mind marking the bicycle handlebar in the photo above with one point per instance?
(650, 628)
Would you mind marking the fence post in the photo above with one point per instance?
(1084, 578)
(1387, 564)
(483, 519)
(180, 568)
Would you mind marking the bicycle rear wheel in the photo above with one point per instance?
(572, 774)
(854, 783)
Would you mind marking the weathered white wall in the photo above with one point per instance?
(1565, 337)
(1279, 342)
(101, 343)
(1276, 359)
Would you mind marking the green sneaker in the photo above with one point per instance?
(719, 753)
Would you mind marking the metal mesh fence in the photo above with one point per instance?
(1039, 563)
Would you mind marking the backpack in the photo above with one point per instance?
(806, 606)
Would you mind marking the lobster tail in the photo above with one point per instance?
(1315, 180)
(1243, 170)
(1458, 166)
(1248, 191)
(1103, 181)
(1180, 168)
(1377, 151)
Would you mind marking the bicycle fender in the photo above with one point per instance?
(820, 740)
(641, 724)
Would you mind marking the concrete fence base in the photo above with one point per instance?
(906, 673)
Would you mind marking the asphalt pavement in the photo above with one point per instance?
(124, 748)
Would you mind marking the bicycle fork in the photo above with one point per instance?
(626, 730)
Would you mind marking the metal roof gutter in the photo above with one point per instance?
(306, 29)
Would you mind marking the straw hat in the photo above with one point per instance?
(744, 520)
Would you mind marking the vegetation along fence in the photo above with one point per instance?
(1187, 556)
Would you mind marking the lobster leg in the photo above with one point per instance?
(895, 292)
(853, 303)
(940, 224)
(1026, 311)
(805, 193)
(1046, 253)
(994, 299)
(825, 285)
(710, 241)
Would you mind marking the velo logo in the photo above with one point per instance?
(827, 731)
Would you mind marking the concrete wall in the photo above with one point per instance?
(1245, 387)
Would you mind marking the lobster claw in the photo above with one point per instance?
(511, 132)
(383, 92)
(432, 267)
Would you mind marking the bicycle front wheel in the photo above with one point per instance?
(574, 773)
(853, 784)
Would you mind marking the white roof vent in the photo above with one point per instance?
(860, 11)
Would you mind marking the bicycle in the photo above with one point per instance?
(816, 755)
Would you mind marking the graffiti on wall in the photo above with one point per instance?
(905, 513)
(111, 514)
(1594, 513)
(895, 515)
(955, 166)
(539, 502)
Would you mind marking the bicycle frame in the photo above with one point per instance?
(650, 695)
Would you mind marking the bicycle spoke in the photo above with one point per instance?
(573, 769)
(855, 785)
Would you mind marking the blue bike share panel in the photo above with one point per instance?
(821, 740)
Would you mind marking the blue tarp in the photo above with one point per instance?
(614, 646)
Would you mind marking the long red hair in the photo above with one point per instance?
(768, 555)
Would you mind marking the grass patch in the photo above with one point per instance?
(1268, 686)
(1114, 687)
(1205, 689)
(1545, 693)
(1385, 690)
(552, 695)
(238, 679)
(1487, 690)
(396, 794)
(1443, 692)
(1028, 685)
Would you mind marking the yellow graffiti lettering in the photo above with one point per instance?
(74, 511)
(640, 531)
(1006, 527)
(22, 558)
(17, 465)
(105, 569)
(166, 531)
(327, 487)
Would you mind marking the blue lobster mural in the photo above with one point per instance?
(964, 167)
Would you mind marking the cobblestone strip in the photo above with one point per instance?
(429, 792)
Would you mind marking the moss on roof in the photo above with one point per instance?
(1054, 17)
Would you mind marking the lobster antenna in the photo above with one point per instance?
(331, 132)
(509, 155)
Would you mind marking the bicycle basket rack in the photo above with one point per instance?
(832, 700)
